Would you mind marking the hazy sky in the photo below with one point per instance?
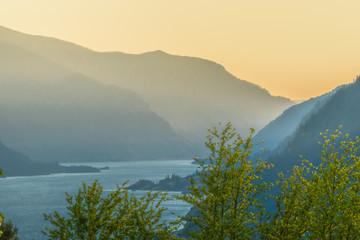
(297, 49)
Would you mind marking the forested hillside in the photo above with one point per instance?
(341, 109)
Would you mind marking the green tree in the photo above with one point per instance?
(293, 200)
(321, 202)
(9, 231)
(227, 198)
(313, 202)
(1, 215)
(119, 215)
(335, 185)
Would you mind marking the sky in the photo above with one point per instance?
(296, 49)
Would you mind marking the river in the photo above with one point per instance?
(24, 199)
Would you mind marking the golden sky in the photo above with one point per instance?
(297, 49)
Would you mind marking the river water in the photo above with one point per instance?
(24, 199)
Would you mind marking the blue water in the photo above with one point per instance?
(25, 199)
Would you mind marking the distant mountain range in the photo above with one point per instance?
(58, 115)
(62, 102)
(192, 94)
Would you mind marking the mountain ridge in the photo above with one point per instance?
(191, 93)
(277, 131)
(6, 30)
(54, 114)
(341, 108)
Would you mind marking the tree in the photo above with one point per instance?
(335, 185)
(1, 215)
(293, 200)
(321, 202)
(310, 202)
(9, 231)
(227, 198)
(119, 215)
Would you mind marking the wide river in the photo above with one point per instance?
(23, 200)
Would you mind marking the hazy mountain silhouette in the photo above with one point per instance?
(192, 94)
(52, 113)
(341, 108)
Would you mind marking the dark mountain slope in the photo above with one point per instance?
(341, 109)
(281, 130)
(52, 113)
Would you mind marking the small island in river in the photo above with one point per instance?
(169, 183)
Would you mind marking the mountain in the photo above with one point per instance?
(192, 94)
(16, 164)
(52, 113)
(281, 130)
(341, 108)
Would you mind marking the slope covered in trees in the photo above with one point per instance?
(342, 108)
(279, 131)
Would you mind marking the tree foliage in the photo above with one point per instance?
(227, 196)
(1, 215)
(321, 202)
(292, 203)
(335, 185)
(9, 231)
(231, 201)
(119, 215)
